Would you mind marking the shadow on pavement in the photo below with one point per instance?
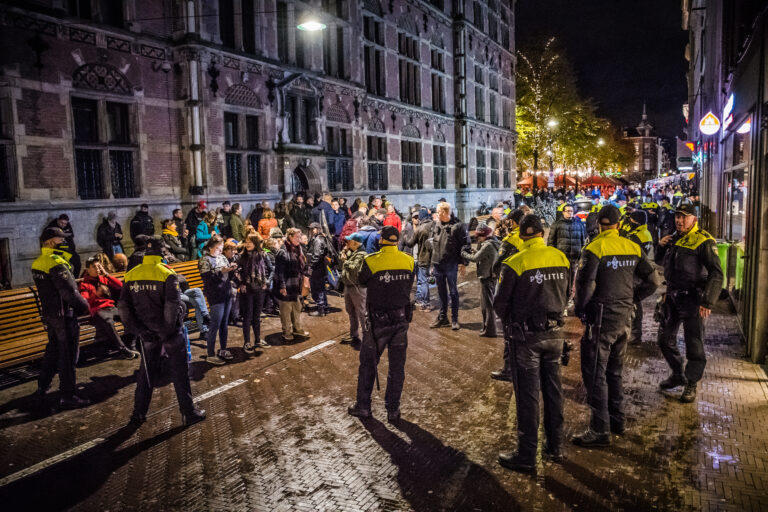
(433, 476)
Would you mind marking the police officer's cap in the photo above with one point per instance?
(530, 225)
(390, 234)
(639, 217)
(53, 232)
(155, 246)
(608, 215)
(686, 209)
(516, 215)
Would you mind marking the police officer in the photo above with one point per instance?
(639, 234)
(510, 245)
(694, 280)
(60, 305)
(651, 209)
(388, 276)
(151, 308)
(530, 299)
(605, 293)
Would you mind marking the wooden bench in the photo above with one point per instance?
(22, 334)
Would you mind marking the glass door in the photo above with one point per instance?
(737, 184)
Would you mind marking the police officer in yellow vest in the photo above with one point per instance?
(639, 234)
(510, 245)
(694, 280)
(388, 276)
(151, 308)
(605, 293)
(60, 305)
(530, 299)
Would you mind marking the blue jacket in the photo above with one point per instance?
(323, 206)
(371, 238)
(336, 222)
(203, 235)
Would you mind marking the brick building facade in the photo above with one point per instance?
(649, 153)
(108, 104)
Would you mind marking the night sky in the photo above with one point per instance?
(624, 52)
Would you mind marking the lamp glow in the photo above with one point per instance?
(600, 142)
(552, 123)
(746, 127)
(310, 25)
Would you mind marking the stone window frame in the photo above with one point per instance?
(375, 163)
(244, 151)
(340, 157)
(413, 168)
(439, 77)
(8, 178)
(104, 146)
(334, 53)
(375, 49)
(480, 167)
(409, 62)
(242, 41)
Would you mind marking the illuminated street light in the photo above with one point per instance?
(308, 23)
(552, 123)
(600, 142)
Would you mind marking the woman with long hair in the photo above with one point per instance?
(216, 273)
(253, 271)
(289, 281)
(205, 230)
(267, 222)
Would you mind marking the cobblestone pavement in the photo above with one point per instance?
(278, 437)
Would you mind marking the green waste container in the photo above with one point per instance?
(722, 252)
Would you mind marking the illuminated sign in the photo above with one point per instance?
(744, 128)
(709, 124)
(728, 113)
(691, 146)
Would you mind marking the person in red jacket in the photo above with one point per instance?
(392, 218)
(100, 289)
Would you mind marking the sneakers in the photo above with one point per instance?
(440, 322)
(511, 460)
(358, 411)
(225, 354)
(591, 439)
(502, 375)
(248, 347)
(673, 381)
(263, 344)
(317, 312)
(689, 393)
(346, 340)
(73, 402)
(206, 320)
(285, 340)
(216, 360)
(302, 334)
(455, 325)
(196, 416)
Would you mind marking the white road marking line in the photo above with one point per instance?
(220, 389)
(462, 284)
(305, 353)
(50, 462)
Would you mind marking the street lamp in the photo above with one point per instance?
(310, 23)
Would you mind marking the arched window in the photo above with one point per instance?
(410, 148)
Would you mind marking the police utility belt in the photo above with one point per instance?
(390, 317)
(530, 327)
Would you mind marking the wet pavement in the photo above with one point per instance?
(278, 437)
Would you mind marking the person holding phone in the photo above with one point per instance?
(217, 273)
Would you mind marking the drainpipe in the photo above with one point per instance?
(194, 103)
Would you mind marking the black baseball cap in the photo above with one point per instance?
(53, 232)
(516, 215)
(155, 246)
(390, 234)
(686, 209)
(608, 215)
(638, 217)
(531, 225)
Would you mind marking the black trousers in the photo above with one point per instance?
(536, 358)
(383, 331)
(175, 349)
(602, 366)
(104, 319)
(251, 304)
(683, 309)
(487, 289)
(636, 332)
(61, 354)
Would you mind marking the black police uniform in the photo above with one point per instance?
(694, 278)
(388, 276)
(60, 304)
(151, 307)
(651, 209)
(641, 235)
(530, 299)
(510, 245)
(605, 283)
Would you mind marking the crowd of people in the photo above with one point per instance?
(286, 261)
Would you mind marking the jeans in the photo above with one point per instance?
(317, 286)
(422, 286)
(219, 325)
(117, 249)
(684, 309)
(193, 298)
(446, 275)
(61, 354)
(251, 304)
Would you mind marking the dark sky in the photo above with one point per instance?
(624, 52)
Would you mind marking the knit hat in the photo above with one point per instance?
(530, 225)
(483, 230)
(608, 215)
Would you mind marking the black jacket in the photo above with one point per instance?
(68, 233)
(300, 216)
(510, 245)
(642, 237)
(388, 275)
(56, 286)
(192, 221)
(421, 236)
(105, 237)
(607, 271)
(532, 286)
(150, 302)
(568, 235)
(142, 224)
(447, 242)
(316, 254)
(691, 263)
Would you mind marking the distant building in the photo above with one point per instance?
(108, 104)
(649, 152)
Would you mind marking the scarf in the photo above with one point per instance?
(170, 231)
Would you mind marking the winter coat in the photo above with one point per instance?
(447, 242)
(317, 254)
(300, 216)
(223, 224)
(393, 219)
(406, 234)
(265, 225)
(253, 271)
(89, 289)
(174, 244)
(290, 270)
(237, 227)
(349, 227)
(484, 257)
(371, 238)
(105, 237)
(194, 219)
(568, 235)
(142, 224)
(203, 235)
(217, 286)
(318, 211)
(350, 268)
(336, 221)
